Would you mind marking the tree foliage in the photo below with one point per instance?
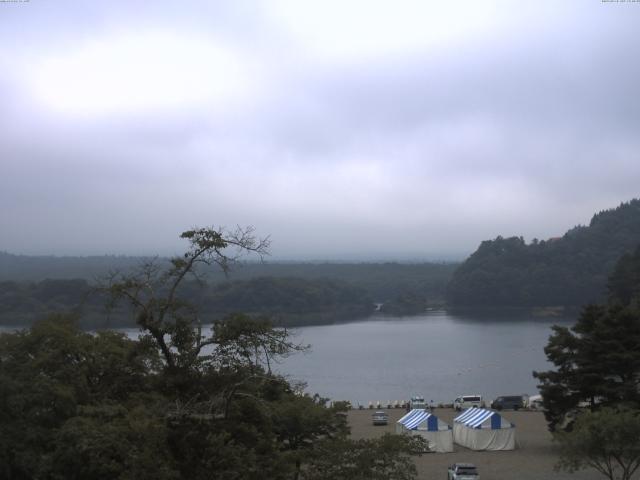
(56, 381)
(597, 360)
(288, 301)
(624, 283)
(568, 271)
(382, 281)
(607, 440)
(409, 303)
(152, 291)
(367, 459)
(292, 294)
(176, 403)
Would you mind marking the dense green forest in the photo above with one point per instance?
(597, 360)
(567, 271)
(27, 268)
(506, 272)
(291, 293)
(179, 402)
(383, 281)
(288, 301)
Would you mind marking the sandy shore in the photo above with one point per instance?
(534, 457)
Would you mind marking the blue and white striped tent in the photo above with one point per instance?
(431, 428)
(482, 418)
(481, 429)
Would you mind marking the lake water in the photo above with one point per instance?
(437, 355)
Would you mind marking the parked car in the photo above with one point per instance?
(380, 418)
(513, 402)
(463, 471)
(468, 401)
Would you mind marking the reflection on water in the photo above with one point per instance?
(437, 355)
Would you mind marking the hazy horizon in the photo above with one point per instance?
(362, 131)
(252, 259)
(401, 257)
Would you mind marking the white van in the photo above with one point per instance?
(468, 401)
(535, 402)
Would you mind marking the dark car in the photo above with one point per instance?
(513, 402)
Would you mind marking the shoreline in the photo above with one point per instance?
(534, 457)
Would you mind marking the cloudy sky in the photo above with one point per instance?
(345, 129)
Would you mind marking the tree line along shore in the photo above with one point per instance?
(550, 277)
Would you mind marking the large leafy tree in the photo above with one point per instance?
(301, 421)
(57, 381)
(176, 403)
(367, 459)
(153, 291)
(607, 440)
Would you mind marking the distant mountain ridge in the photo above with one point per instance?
(568, 271)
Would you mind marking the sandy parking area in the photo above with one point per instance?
(533, 459)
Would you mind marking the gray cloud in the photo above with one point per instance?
(526, 128)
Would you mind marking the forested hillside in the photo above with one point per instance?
(567, 271)
(383, 281)
(624, 283)
(292, 293)
(288, 301)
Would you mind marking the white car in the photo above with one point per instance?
(468, 401)
(463, 471)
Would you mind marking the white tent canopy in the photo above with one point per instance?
(480, 429)
(431, 428)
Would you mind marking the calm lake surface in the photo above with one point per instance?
(438, 355)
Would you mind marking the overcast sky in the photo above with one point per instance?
(344, 129)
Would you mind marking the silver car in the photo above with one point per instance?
(463, 471)
(380, 418)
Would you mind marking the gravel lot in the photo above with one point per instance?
(533, 458)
